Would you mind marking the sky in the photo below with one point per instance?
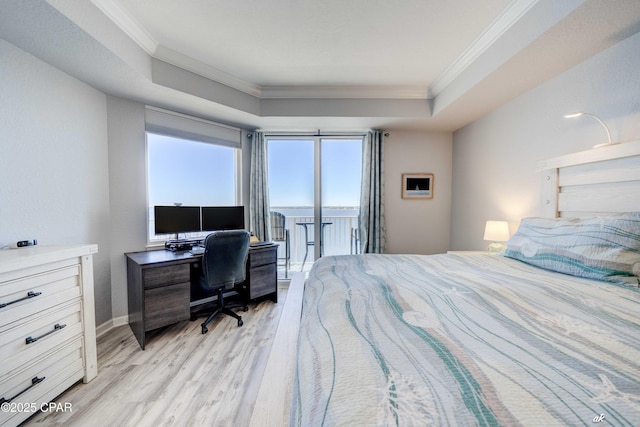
(188, 172)
(201, 174)
(291, 172)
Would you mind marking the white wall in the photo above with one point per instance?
(128, 194)
(54, 183)
(417, 226)
(494, 158)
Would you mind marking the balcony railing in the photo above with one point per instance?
(337, 240)
(338, 237)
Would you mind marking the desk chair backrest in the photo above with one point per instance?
(225, 258)
(277, 226)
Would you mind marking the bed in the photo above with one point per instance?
(464, 340)
(546, 335)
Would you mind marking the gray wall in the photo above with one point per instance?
(54, 171)
(494, 158)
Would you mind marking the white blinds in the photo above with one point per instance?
(178, 125)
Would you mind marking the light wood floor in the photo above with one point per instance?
(183, 378)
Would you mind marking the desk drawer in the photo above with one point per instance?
(165, 275)
(166, 305)
(28, 295)
(263, 257)
(263, 281)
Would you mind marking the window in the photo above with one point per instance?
(190, 173)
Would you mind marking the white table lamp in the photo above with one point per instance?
(496, 232)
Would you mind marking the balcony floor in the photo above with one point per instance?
(294, 267)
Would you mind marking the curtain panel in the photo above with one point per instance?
(372, 223)
(259, 191)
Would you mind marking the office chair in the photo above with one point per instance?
(223, 266)
(281, 234)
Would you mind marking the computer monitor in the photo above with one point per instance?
(176, 219)
(222, 218)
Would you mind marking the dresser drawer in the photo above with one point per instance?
(166, 275)
(262, 257)
(22, 297)
(40, 381)
(40, 334)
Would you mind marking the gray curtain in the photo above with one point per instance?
(372, 226)
(259, 191)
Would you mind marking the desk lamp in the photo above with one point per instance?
(497, 232)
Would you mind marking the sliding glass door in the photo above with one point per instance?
(315, 183)
(341, 165)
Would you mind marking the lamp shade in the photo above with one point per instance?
(496, 231)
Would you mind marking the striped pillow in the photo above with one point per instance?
(603, 248)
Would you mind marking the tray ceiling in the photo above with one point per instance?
(419, 64)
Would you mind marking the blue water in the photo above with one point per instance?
(308, 211)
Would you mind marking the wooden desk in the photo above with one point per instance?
(160, 285)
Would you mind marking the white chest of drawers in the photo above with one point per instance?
(47, 326)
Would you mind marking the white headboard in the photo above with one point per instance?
(602, 180)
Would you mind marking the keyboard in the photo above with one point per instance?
(260, 244)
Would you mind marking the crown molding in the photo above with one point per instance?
(345, 92)
(188, 63)
(512, 14)
(127, 24)
(138, 34)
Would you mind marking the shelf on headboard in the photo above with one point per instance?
(587, 183)
(617, 151)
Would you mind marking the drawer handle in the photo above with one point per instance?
(57, 327)
(30, 294)
(34, 382)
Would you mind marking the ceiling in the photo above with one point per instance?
(303, 65)
(285, 43)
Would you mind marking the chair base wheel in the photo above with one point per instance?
(204, 329)
(240, 322)
(245, 308)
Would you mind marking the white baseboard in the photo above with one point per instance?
(110, 324)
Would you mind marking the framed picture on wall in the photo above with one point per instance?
(417, 185)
